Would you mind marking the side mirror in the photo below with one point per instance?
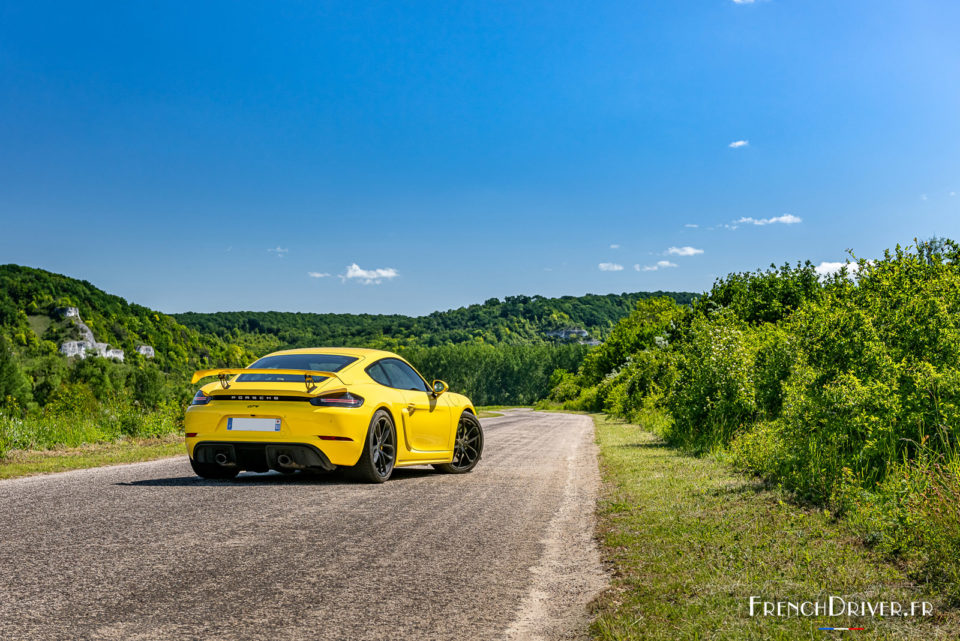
(439, 387)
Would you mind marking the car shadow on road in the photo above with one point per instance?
(275, 478)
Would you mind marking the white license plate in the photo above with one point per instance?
(253, 424)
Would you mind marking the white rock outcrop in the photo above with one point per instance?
(74, 348)
(88, 344)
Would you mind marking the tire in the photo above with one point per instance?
(213, 471)
(379, 450)
(468, 448)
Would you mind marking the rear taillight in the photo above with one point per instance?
(200, 398)
(337, 400)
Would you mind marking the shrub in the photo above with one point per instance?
(148, 386)
(14, 385)
(713, 396)
(588, 401)
(564, 386)
(653, 323)
(774, 359)
(640, 385)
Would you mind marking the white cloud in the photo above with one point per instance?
(318, 274)
(684, 251)
(279, 251)
(786, 219)
(610, 267)
(369, 276)
(691, 226)
(826, 268)
(737, 144)
(614, 246)
(661, 264)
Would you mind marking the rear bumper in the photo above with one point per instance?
(260, 457)
(338, 433)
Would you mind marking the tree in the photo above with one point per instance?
(148, 386)
(14, 385)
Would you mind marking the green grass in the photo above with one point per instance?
(690, 541)
(490, 411)
(39, 324)
(99, 423)
(27, 463)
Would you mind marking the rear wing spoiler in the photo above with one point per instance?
(309, 375)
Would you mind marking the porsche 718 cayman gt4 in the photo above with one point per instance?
(319, 409)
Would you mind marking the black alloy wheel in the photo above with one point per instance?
(468, 447)
(380, 451)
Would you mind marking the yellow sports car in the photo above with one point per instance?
(323, 408)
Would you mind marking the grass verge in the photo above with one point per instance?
(690, 541)
(28, 462)
(490, 411)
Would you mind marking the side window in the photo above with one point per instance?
(402, 375)
(376, 373)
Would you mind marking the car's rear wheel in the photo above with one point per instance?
(468, 447)
(380, 450)
(213, 470)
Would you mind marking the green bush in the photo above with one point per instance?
(14, 385)
(148, 386)
(652, 324)
(775, 356)
(640, 385)
(713, 396)
(564, 386)
(914, 512)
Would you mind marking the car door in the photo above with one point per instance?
(426, 417)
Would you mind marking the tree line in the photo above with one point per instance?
(515, 320)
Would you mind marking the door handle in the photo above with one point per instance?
(410, 408)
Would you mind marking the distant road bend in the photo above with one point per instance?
(150, 551)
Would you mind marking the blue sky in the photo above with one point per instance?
(212, 156)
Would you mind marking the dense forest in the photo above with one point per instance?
(498, 352)
(516, 320)
(844, 389)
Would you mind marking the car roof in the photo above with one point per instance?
(344, 351)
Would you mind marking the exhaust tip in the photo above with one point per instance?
(221, 458)
(284, 460)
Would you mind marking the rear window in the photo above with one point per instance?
(316, 362)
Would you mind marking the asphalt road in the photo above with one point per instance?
(150, 551)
